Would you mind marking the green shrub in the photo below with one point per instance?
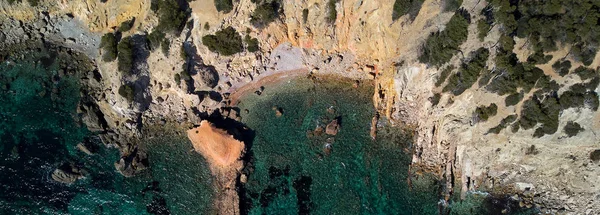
(544, 23)
(305, 15)
(34, 3)
(127, 91)
(483, 28)
(572, 128)
(154, 39)
(177, 79)
(539, 58)
(252, 43)
(585, 73)
(225, 42)
(108, 43)
(469, 72)
(503, 124)
(331, 11)
(265, 13)
(206, 26)
(170, 16)
(224, 6)
(595, 155)
(126, 25)
(483, 113)
(125, 48)
(513, 99)
(435, 99)
(165, 46)
(444, 75)
(452, 5)
(535, 112)
(403, 7)
(441, 46)
(562, 67)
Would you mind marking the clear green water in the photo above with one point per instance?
(39, 131)
(290, 173)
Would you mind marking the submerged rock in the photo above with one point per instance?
(333, 127)
(67, 174)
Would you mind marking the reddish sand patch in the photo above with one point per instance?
(218, 147)
(263, 81)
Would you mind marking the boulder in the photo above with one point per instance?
(67, 174)
(131, 164)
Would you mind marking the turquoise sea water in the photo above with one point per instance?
(290, 171)
(39, 129)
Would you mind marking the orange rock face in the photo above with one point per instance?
(218, 147)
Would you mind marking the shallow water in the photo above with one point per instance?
(289, 169)
(38, 133)
(292, 173)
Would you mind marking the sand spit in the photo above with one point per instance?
(218, 147)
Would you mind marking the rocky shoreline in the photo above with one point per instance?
(446, 142)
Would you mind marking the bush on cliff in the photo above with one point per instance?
(108, 43)
(331, 11)
(125, 49)
(224, 6)
(442, 45)
(265, 13)
(572, 128)
(403, 7)
(483, 113)
(127, 91)
(226, 41)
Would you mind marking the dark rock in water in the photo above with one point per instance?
(327, 149)
(132, 164)
(278, 111)
(67, 174)
(333, 127)
(318, 131)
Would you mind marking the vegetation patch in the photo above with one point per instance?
(435, 99)
(483, 113)
(170, 15)
(540, 111)
(109, 43)
(125, 49)
(165, 46)
(126, 25)
(503, 124)
(251, 43)
(513, 99)
(572, 128)
(127, 91)
(452, 5)
(469, 72)
(226, 41)
(562, 67)
(585, 73)
(544, 23)
(224, 6)
(485, 25)
(403, 7)
(442, 45)
(444, 75)
(265, 13)
(305, 15)
(595, 155)
(331, 11)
